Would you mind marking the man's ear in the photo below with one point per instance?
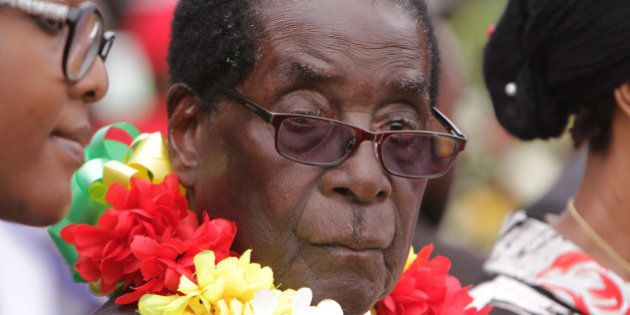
(182, 132)
(622, 97)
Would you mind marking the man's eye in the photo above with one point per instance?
(402, 124)
(49, 25)
(307, 111)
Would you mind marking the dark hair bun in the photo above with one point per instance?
(560, 55)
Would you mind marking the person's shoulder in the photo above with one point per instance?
(111, 308)
(511, 296)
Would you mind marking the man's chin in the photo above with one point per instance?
(356, 282)
(355, 297)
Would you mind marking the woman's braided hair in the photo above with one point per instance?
(565, 57)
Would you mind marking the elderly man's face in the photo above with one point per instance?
(343, 231)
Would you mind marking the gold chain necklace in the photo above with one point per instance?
(599, 241)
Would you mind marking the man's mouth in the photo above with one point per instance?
(328, 258)
(342, 250)
(351, 245)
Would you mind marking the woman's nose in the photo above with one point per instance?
(93, 86)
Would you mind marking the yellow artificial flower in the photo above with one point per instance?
(223, 289)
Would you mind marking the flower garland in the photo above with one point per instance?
(130, 230)
(425, 287)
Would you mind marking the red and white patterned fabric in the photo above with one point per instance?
(535, 270)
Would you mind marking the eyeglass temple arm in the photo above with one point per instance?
(447, 123)
(106, 44)
(251, 106)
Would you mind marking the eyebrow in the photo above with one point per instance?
(307, 73)
(411, 86)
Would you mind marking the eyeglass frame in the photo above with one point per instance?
(70, 15)
(275, 119)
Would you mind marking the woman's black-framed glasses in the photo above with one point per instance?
(318, 141)
(87, 38)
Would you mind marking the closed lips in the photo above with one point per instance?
(72, 142)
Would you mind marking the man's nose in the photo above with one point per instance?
(359, 179)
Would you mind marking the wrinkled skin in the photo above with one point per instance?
(43, 120)
(344, 231)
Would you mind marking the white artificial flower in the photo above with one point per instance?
(327, 307)
(302, 305)
(302, 301)
(266, 301)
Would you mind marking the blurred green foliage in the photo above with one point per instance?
(470, 22)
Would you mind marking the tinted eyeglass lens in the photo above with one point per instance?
(327, 143)
(417, 155)
(314, 141)
(85, 45)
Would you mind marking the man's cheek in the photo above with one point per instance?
(408, 200)
(288, 189)
(216, 158)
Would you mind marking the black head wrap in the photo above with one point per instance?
(561, 55)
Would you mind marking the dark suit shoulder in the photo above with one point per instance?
(111, 308)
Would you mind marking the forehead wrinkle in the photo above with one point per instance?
(412, 83)
(318, 39)
(392, 52)
(314, 63)
(327, 46)
(313, 67)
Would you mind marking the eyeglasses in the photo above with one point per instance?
(327, 142)
(87, 37)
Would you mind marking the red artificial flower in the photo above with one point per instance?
(163, 262)
(146, 241)
(427, 288)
